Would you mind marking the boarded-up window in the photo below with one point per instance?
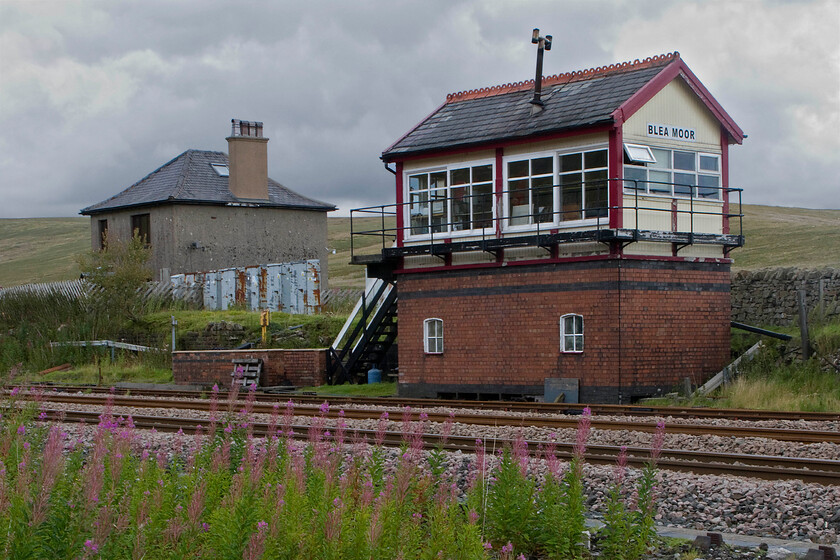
(103, 233)
(140, 227)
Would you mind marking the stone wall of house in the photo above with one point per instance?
(770, 296)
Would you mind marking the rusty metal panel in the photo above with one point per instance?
(293, 287)
(228, 287)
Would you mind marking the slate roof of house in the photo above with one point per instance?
(572, 100)
(190, 179)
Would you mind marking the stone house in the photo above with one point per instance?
(208, 210)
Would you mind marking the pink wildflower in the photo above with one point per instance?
(520, 452)
(380, 429)
(584, 426)
(446, 431)
(621, 466)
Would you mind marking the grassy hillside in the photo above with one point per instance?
(43, 249)
(778, 236)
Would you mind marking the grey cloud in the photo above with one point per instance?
(335, 83)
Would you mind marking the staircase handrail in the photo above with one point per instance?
(371, 288)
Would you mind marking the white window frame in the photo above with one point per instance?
(430, 338)
(577, 337)
(447, 169)
(555, 222)
(506, 222)
(639, 153)
(670, 169)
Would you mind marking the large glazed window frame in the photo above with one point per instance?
(450, 200)
(576, 184)
(677, 173)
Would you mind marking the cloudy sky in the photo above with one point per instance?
(94, 94)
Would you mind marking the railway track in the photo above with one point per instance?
(470, 418)
(820, 471)
(524, 407)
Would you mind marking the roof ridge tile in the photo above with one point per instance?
(566, 77)
(182, 176)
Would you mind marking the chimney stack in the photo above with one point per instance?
(248, 161)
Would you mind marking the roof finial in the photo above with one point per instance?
(544, 44)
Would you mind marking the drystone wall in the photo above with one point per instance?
(770, 296)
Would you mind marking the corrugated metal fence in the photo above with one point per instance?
(293, 287)
(82, 289)
(70, 288)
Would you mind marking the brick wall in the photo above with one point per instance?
(280, 367)
(647, 325)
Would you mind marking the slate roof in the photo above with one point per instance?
(573, 100)
(189, 179)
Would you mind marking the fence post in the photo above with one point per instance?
(822, 298)
(803, 327)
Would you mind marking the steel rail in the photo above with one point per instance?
(556, 422)
(820, 471)
(513, 406)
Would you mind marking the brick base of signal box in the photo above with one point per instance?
(647, 325)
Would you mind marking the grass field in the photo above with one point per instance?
(41, 249)
(778, 236)
(44, 249)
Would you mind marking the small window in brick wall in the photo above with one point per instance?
(433, 336)
(571, 333)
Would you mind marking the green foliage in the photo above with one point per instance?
(511, 507)
(563, 521)
(238, 497)
(118, 271)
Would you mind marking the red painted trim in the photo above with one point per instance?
(724, 177)
(499, 187)
(663, 78)
(500, 144)
(615, 170)
(561, 260)
(400, 210)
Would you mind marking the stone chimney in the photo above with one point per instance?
(248, 161)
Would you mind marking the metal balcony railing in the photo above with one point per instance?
(448, 224)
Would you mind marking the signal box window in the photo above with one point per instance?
(433, 336)
(571, 333)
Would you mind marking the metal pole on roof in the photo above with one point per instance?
(543, 44)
